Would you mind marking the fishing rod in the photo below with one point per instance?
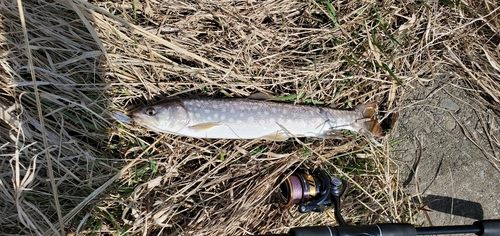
(316, 191)
(482, 227)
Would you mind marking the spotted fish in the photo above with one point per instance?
(253, 119)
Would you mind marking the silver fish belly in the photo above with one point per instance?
(252, 119)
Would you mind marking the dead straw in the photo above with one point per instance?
(89, 59)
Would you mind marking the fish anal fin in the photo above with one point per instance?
(204, 126)
(277, 136)
(333, 134)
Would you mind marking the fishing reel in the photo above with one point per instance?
(312, 191)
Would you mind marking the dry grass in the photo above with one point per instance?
(93, 58)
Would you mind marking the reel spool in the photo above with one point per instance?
(312, 191)
(301, 188)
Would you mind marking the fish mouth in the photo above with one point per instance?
(141, 119)
(135, 117)
(122, 117)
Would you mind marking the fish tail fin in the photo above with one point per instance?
(367, 111)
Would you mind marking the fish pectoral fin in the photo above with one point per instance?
(277, 136)
(204, 126)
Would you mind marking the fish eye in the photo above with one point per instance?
(150, 111)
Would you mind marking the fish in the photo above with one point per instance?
(243, 118)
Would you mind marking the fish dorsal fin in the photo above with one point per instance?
(276, 136)
(204, 126)
(260, 96)
(333, 106)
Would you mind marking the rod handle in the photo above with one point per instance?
(366, 230)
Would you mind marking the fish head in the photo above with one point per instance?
(167, 117)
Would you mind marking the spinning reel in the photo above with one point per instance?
(312, 191)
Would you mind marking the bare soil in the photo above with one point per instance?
(450, 141)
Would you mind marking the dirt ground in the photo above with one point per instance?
(450, 139)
